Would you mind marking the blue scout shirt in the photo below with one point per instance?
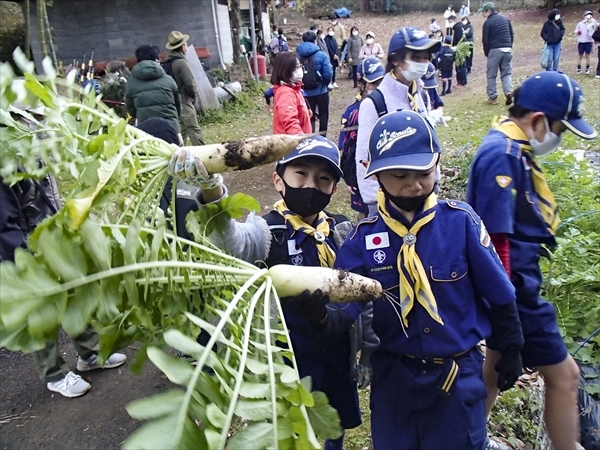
(501, 190)
(463, 270)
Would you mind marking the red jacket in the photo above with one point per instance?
(290, 115)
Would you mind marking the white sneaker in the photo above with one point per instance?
(114, 360)
(335, 85)
(587, 71)
(330, 86)
(70, 386)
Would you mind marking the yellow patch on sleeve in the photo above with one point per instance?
(503, 180)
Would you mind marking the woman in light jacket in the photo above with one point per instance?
(291, 113)
(371, 48)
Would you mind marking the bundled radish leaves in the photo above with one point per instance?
(108, 259)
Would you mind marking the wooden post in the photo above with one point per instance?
(234, 20)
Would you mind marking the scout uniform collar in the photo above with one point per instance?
(546, 202)
(414, 283)
(319, 232)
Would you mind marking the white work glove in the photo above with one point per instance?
(364, 375)
(189, 169)
(436, 117)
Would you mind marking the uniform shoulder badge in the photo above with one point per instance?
(503, 180)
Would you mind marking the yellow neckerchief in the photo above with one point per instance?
(413, 92)
(409, 263)
(546, 200)
(320, 232)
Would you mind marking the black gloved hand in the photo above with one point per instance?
(311, 306)
(509, 368)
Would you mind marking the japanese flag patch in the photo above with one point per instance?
(377, 240)
(503, 180)
(293, 248)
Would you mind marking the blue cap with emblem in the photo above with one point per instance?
(429, 77)
(559, 97)
(402, 140)
(413, 38)
(319, 147)
(370, 69)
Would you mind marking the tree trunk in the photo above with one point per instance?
(364, 6)
(42, 34)
(27, 29)
(234, 20)
(260, 41)
(50, 41)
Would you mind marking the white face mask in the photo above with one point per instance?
(464, 22)
(415, 70)
(355, 33)
(557, 17)
(334, 22)
(331, 33)
(370, 41)
(548, 145)
(298, 74)
(588, 18)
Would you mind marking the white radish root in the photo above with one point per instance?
(245, 154)
(340, 285)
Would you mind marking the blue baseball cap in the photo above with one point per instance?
(413, 38)
(559, 97)
(429, 78)
(402, 140)
(370, 69)
(319, 147)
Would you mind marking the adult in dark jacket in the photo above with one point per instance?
(332, 51)
(497, 38)
(188, 118)
(150, 92)
(318, 98)
(552, 34)
(469, 32)
(457, 30)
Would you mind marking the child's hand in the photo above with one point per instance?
(186, 167)
(267, 109)
(578, 31)
(364, 375)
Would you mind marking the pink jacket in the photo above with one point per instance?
(373, 50)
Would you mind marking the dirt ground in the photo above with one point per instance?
(32, 417)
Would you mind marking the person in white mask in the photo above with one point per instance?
(508, 190)
(409, 53)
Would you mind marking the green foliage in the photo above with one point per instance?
(463, 49)
(107, 259)
(517, 415)
(232, 111)
(572, 279)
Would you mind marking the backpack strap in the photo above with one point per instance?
(278, 252)
(379, 102)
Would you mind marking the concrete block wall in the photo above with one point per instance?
(115, 28)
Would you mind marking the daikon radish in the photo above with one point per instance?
(245, 154)
(341, 286)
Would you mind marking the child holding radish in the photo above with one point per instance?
(325, 336)
(444, 291)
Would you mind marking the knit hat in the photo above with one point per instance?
(559, 97)
(489, 6)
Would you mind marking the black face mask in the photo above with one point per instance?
(305, 201)
(406, 203)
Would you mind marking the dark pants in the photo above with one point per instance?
(461, 74)
(598, 66)
(355, 75)
(319, 103)
(469, 60)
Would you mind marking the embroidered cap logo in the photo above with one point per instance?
(373, 67)
(309, 144)
(387, 139)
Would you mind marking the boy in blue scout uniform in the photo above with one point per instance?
(298, 232)
(445, 291)
(507, 188)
